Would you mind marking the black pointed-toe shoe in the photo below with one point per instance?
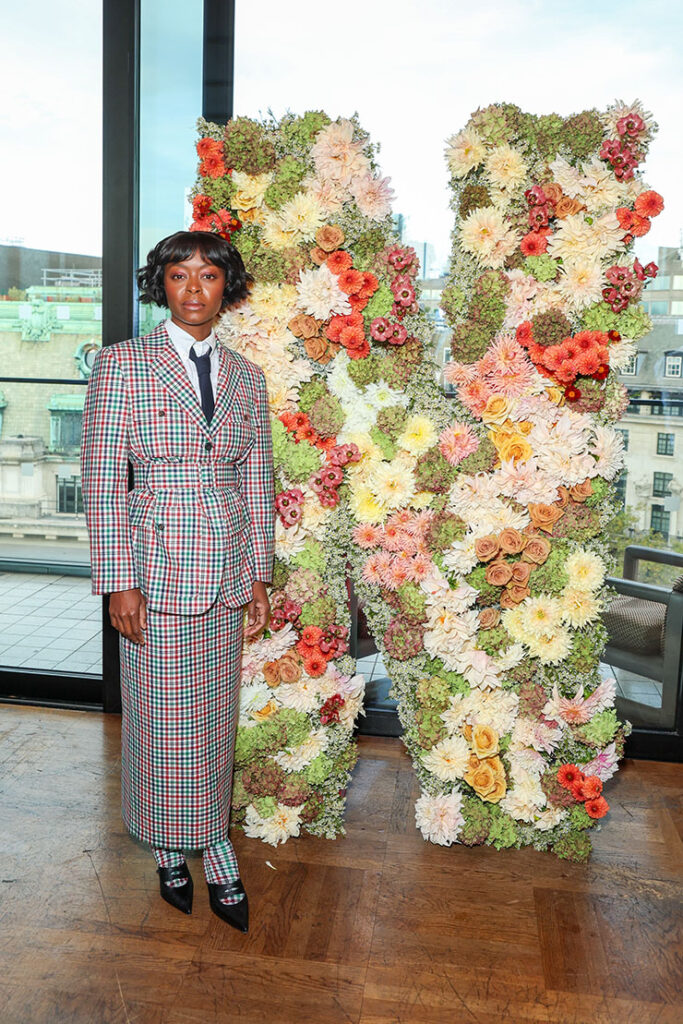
(235, 914)
(179, 896)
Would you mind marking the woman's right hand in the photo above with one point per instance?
(128, 614)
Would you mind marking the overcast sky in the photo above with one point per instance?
(413, 71)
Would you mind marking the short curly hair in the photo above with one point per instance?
(182, 246)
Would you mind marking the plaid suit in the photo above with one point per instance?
(194, 534)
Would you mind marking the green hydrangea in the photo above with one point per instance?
(543, 267)
(380, 304)
(391, 420)
(220, 191)
(434, 473)
(412, 601)
(493, 641)
(297, 725)
(503, 831)
(551, 577)
(444, 529)
(268, 736)
(498, 123)
(321, 612)
(298, 460)
(478, 822)
(248, 146)
(310, 392)
(601, 728)
(580, 818)
(481, 461)
(547, 135)
(601, 490)
(288, 177)
(551, 327)
(384, 442)
(434, 691)
(298, 132)
(311, 557)
(431, 728)
(365, 371)
(583, 133)
(633, 323)
(367, 246)
(453, 300)
(265, 805)
(280, 574)
(471, 340)
(584, 655)
(473, 197)
(575, 847)
(320, 769)
(327, 416)
(455, 682)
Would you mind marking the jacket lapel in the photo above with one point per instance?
(226, 388)
(167, 365)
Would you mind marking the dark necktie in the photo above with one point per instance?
(203, 364)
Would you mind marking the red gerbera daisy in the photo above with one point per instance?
(649, 204)
(339, 261)
(597, 808)
(592, 787)
(568, 774)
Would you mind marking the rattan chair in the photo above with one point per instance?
(645, 626)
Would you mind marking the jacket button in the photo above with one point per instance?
(162, 412)
(208, 445)
(159, 527)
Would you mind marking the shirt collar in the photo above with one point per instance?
(184, 341)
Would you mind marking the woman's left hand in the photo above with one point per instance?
(258, 610)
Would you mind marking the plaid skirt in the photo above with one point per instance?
(180, 697)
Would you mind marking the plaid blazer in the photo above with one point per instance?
(200, 519)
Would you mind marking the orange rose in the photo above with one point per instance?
(290, 669)
(498, 573)
(486, 548)
(565, 207)
(521, 572)
(271, 673)
(329, 237)
(506, 600)
(487, 778)
(489, 618)
(467, 733)
(544, 516)
(318, 255)
(317, 348)
(536, 550)
(553, 192)
(517, 593)
(496, 410)
(266, 711)
(563, 497)
(484, 741)
(511, 541)
(579, 492)
(513, 447)
(303, 326)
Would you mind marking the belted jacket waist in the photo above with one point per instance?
(157, 476)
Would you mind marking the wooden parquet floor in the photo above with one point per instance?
(375, 928)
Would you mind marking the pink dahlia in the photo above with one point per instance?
(457, 442)
(366, 535)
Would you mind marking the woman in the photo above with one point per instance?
(181, 554)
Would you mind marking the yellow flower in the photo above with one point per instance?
(365, 506)
(484, 741)
(579, 607)
(497, 409)
(418, 435)
(585, 569)
(302, 215)
(465, 152)
(512, 446)
(266, 711)
(249, 190)
(392, 484)
(505, 167)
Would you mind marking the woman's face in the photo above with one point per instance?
(194, 292)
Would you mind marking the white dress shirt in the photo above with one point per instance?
(183, 342)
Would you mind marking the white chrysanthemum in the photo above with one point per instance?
(418, 435)
(303, 215)
(439, 818)
(461, 556)
(550, 818)
(298, 757)
(510, 658)
(542, 613)
(550, 647)
(488, 236)
(320, 295)
(273, 301)
(289, 541)
(598, 188)
(315, 516)
(566, 176)
(608, 449)
(249, 190)
(336, 155)
(301, 696)
(505, 167)
(464, 152)
(621, 353)
(254, 697)
(392, 484)
(585, 569)
(497, 708)
(448, 760)
(274, 235)
(381, 396)
(579, 607)
(581, 284)
(575, 240)
(525, 800)
(373, 196)
(284, 823)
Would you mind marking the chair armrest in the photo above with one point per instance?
(645, 591)
(635, 553)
